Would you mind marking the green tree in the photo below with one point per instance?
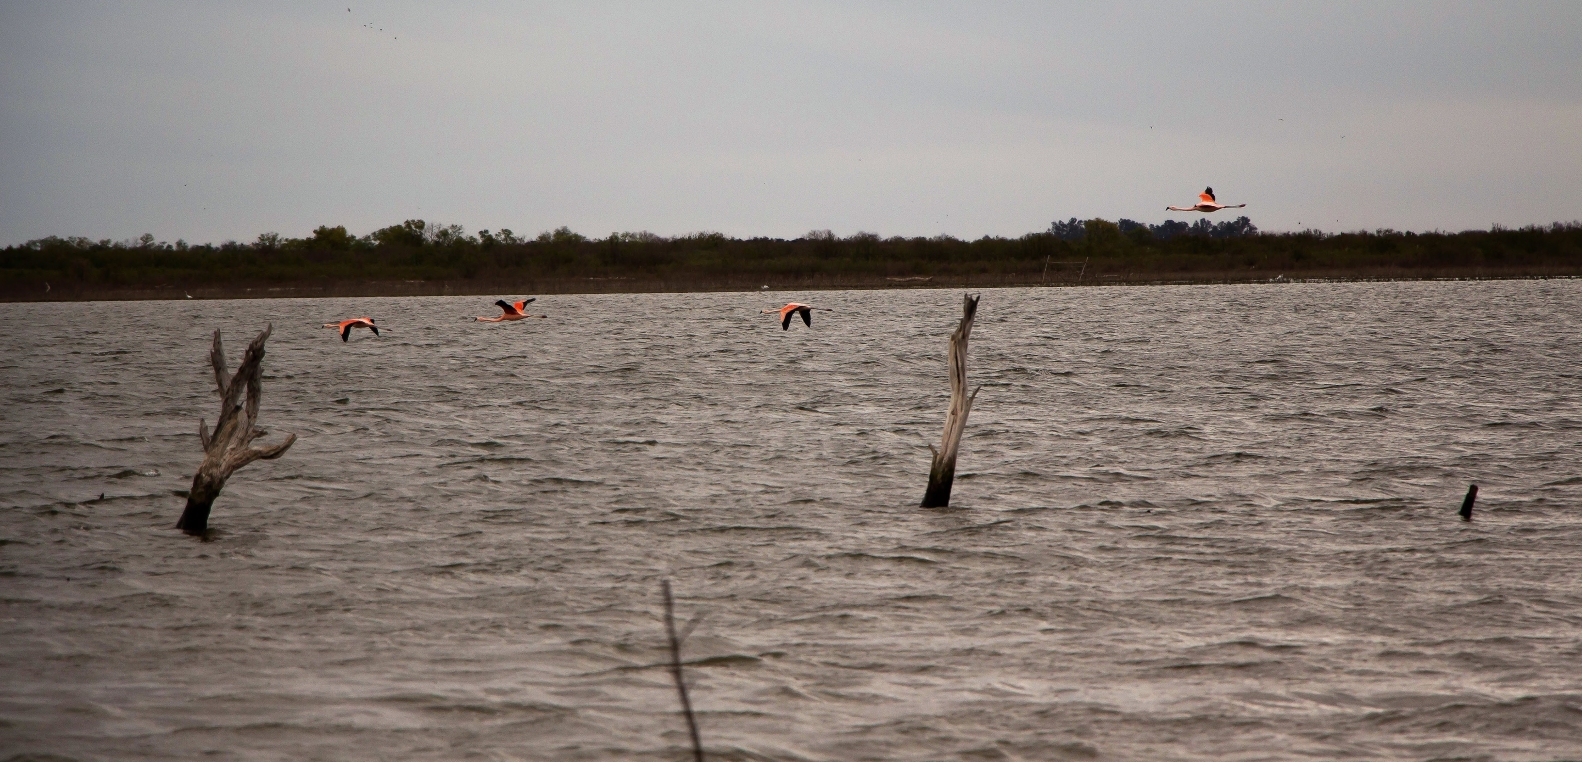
(326, 237)
(1102, 236)
(409, 233)
(445, 235)
(561, 234)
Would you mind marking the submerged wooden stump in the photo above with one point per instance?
(1466, 503)
(227, 449)
(942, 473)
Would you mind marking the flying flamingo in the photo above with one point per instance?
(794, 309)
(510, 312)
(1205, 203)
(346, 326)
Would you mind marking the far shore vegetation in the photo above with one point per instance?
(420, 258)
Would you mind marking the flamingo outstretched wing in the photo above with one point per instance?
(1206, 202)
(792, 309)
(346, 326)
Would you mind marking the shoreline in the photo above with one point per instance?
(88, 292)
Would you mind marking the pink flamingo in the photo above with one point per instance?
(1205, 203)
(794, 309)
(346, 326)
(510, 312)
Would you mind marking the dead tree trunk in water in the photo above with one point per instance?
(942, 473)
(227, 448)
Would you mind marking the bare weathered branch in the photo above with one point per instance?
(243, 457)
(222, 377)
(255, 390)
(226, 448)
(942, 470)
(270, 453)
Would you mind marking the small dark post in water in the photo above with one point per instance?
(1466, 505)
(227, 449)
(675, 671)
(942, 472)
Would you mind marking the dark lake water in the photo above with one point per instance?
(1198, 522)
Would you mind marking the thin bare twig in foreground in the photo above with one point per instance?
(675, 671)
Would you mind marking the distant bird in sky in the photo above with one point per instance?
(794, 309)
(1205, 203)
(346, 326)
(510, 312)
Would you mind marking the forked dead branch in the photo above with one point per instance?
(227, 449)
(942, 473)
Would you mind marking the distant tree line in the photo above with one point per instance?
(1075, 230)
(417, 251)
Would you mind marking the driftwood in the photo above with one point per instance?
(675, 669)
(942, 473)
(227, 448)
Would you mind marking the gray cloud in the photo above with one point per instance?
(207, 123)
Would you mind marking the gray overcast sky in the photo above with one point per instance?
(222, 121)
